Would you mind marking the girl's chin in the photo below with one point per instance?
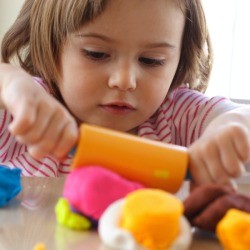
(117, 127)
(121, 128)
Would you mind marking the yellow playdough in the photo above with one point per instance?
(39, 246)
(152, 216)
(70, 219)
(233, 230)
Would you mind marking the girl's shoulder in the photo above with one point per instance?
(185, 98)
(184, 93)
(181, 99)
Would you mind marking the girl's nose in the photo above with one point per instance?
(123, 77)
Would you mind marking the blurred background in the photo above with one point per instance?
(228, 22)
(8, 13)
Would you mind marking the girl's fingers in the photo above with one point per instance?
(230, 159)
(25, 116)
(241, 142)
(214, 166)
(198, 170)
(44, 125)
(35, 131)
(47, 115)
(234, 150)
(205, 164)
(218, 158)
(223, 162)
(54, 146)
(59, 136)
(67, 140)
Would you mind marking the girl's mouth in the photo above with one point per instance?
(117, 108)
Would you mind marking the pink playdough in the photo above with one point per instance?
(90, 190)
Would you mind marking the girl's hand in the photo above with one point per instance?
(39, 120)
(221, 152)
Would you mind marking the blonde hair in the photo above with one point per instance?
(37, 36)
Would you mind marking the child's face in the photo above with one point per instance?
(117, 70)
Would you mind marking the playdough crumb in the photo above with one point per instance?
(39, 246)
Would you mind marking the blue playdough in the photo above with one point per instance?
(10, 184)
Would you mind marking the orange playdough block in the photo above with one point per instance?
(233, 230)
(152, 216)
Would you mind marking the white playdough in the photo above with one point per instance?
(114, 237)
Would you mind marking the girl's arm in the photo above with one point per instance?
(39, 120)
(224, 148)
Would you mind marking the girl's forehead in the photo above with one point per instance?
(137, 19)
(75, 13)
(137, 4)
(140, 12)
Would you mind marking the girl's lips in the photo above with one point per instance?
(117, 108)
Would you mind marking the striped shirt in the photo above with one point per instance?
(181, 119)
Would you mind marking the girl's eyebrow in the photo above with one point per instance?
(95, 35)
(107, 39)
(161, 45)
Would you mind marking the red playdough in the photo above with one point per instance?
(90, 190)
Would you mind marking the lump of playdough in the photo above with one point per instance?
(10, 184)
(146, 218)
(207, 205)
(152, 216)
(70, 219)
(90, 190)
(233, 230)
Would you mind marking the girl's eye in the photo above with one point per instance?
(95, 55)
(151, 62)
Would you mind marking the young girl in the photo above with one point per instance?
(134, 66)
